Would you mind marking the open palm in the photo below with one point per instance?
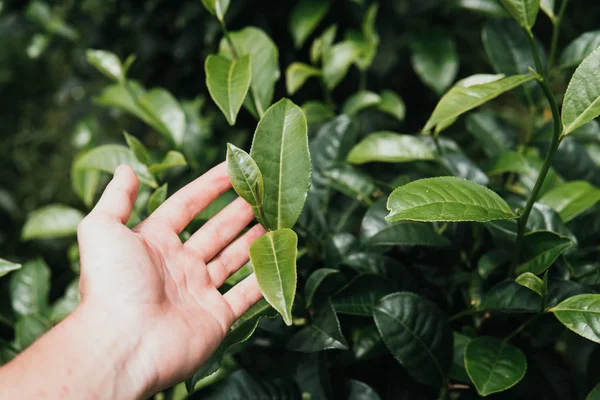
(160, 287)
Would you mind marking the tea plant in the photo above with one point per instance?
(444, 248)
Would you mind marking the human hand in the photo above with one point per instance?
(160, 293)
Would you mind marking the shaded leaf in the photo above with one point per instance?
(359, 101)
(29, 328)
(417, 334)
(367, 343)
(139, 150)
(434, 58)
(218, 8)
(392, 104)
(540, 250)
(314, 281)
(107, 63)
(493, 134)
(323, 333)
(579, 49)
(531, 282)
(158, 197)
(66, 304)
(523, 11)
(297, 74)
(317, 111)
(510, 297)
(360, 295)
(457, 370)
(351, 181)
(446, 199)
(571, 199)
(29, 288)
(581, 314)
(8, 266)
(305, 17)
(360, 391)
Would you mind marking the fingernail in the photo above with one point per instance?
(118, 171)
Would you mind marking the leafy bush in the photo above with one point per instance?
(446, 247)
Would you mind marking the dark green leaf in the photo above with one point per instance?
(273, 257)
(457, 163)
(367, 343)
(315, 280)
(360, 295)
(29, 288)
(360, 101)
(417, 334)
(494, 365)
(228, 82)
(492, 132)
(509, 297)
(317, 111)
(457, 370)
(280, 150)
(305, 17)
(29, 328)
(446, 199)
(376, 231)
(322, 334)
(52, 221)
(392, 104)
(540, 250)
(523, 11)
(157, 198)
(386, 146)
(594, 394)
(66, 304)
(360, 391)
(351, 181)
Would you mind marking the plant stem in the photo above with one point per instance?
(464, 313)
(6, 321)
(522, 326)
(555, 30)
(229, 41)
(362, 84)
(522, 222)
(444, 390)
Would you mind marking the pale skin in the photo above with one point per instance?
(151, 313)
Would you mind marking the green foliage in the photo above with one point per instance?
(397, 265)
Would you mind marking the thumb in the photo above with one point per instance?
(120, 194)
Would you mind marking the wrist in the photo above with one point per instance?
(115, 341)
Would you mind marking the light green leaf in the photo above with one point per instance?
(461, 99)
(273, 256)
(125, 97)
(246, 179)
(29, 288)
(337, 60)
(434, 59)
(317, 111)
(265, 65)
(218, 8)
(376, 231)
(171, 160)
(228, 82)
(66, 304)
(579, 49)
(359, 101)
(166, 112)
(523, 11)
(417, 334)
(84, 184)
(52, 221)
(305, 17)
(547, 6)
(158, 197)
(392, 104)
(390, 147)
(323, 334)
(322, 44)
(8, 266)
(29, 328)
(360, 295)
(494, 365)
(581, 103)
(486, 7)
(531, 282)
(351, 181)
(508, 161)
(107, 63)
(297, 74)
(139, 150)
(581, 314)
(108, 157)
(367, 40)
(367, 343)
(280, 149)
(540, 250)
(571, 199)
(446, 199)
(594, 394)
(213, 208)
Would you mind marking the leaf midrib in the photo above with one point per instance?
(407, 328)
(272, 242)
(279, 190)
(496, 359)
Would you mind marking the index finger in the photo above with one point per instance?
(181, 208)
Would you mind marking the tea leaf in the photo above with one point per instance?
(305, 17)
(434, 59)
(323, 334)
(52, 221)
(8, 266)
(581, 314)
(390, 147)
(523, 11)
(531, 282)
(29, 288)
(571, 199)
(297, 74)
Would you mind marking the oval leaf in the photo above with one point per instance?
(360, 101)
(571, 199)
(273, 257)
(581, 314)
(461, 99)
(446, 199)
(392, 104)
(107, 63)
(297, 74)
(523, 11)
(434, 58)
(417, 334)
(391, 147)
(218, 8)
(228, 82)
(494, 365)
(29, 288)
(50, 222)
(108, 157)
(540, 250)
(29, 328)
(280, 149)
(351, 181)
(579, 49)
(531, 282)
(158, 197)
(582, 99)
(139, 150)
(8, 266)
(360, 295)
(305, 17)
(323, 334)
(166, 112)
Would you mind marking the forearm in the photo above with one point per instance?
(85, 356)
